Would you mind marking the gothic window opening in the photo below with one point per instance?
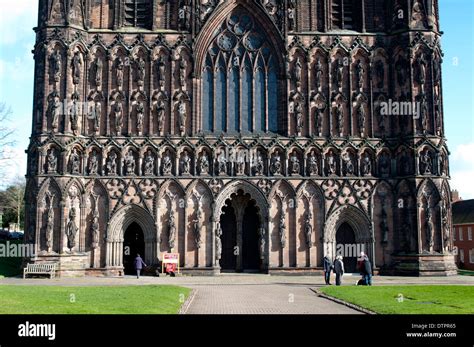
(137, 13)
(343, 14)
(239, 79)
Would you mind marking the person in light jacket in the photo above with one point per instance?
(339, 270)
(327, 270)
(139, 264)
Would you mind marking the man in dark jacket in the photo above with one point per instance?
(327, 269)
(366, 269)
(338, 270)
(139, 264)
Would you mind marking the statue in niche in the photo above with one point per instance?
(112, 164)
(332, 164)
(418, 14)
(98, 68)
(240, 164)
(96, 113)
(339, 119)
(445, 222)
(429, 228)
(171, 230)
(400, 68)
(361, 117)
(54, 111)
(294, 164)
(426, 163)
(384, 223)
(50, 226)
(140, 64)
(291, 15)
(384, 164)
(204, 164)
(93, 164)
(424, 115)
(262, 242)
(308, 229)
(186, 163)
(222, 163)
(183, 72)
(95, 223)
(75, 161)
(348, 163)
(318, 74)
(129, 163)
(167, 165)
(438, 119)
(297, 72)
(119, 68)
(118, 113)
(160, 108)
(366, 165)
(313, 167)
(182, 115)
(339, 73)
(72, 229)
(421, 64)
(56, 65)
(380, 74)
(276, 165)
(197, 224)
(259, 165)
(52, 162)
(184, 15)
(298, 111)
(381, 117)
(74, 116)
(282, 230)
(140, 109)
(149, 164)
(436, 71)
(359, 74)
(218, 243)
(76, 67)
(160, 70)
(319, 116)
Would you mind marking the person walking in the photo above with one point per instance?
(339, 270)
(139, 264)
(366, 268)
(327, 270)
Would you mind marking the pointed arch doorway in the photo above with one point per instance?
(133, 244)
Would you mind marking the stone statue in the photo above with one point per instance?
(222, 164)
(294, 164)
(380, 74)
(318, 74)
(291, 15)
(426, 163)
(95, 115)
(186, 164)
(359, 74)
(218, 243)
(383, 223)
(319, 119)
(95, 224)
(50, 226)
(74, 116)
(56, 65)
(259, 166)
(424, 116)
(339, 73)
(140, 64)
(429, 227)
(167, 165)
(98, 68)
(183, 72)
(240, 164)
(445, 223)
(308, 229)
(348, 164)
(54, 111)
(75, 161)
(282, 230)
(366, 165)
(339, 119)
(160, 113)
(119, 67)
(204, 164)
(298, 111)
(118, 112)
(262, 234)
(93, 164)
(275, 165)
(171, 230)
(182, 115)
(197, 223)
(438, 119)
(361, 118)
(76, 67)
(422, 65)
(313, 167)
(184, 15)
(130, 164)
(52, 162)
(72, 229)
(112, 164)
(149, 164)
(332, 164)
(140, 108)
(297, 72)
(160, 70)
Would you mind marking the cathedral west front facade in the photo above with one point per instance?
(245, 135)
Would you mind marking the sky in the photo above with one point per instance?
(17, 19)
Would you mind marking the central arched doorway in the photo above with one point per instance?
(133, 244)
(240, 223)
(346, 246)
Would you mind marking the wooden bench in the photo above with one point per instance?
(40, 269)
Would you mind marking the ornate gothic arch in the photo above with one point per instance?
(353, 216)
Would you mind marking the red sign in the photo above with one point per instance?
(170, 262)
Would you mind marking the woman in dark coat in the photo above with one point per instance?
(139, 264)
(327, 269)
(338, 270)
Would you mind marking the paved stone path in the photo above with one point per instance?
(248, 294)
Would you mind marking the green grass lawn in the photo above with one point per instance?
(92, 300)
(416, 299)
(10, 266)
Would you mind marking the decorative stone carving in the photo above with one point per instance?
(308, 229)
(140, 71)
(74, 116)
(204, 164)
(262, 242)
(339, 73)
(171, 230)
(72, 229)
(295, 168)
(129, 164)
(318, 74)
(183, 72)
(446, 230)
(184, 15)
(167, 165)
(75, 162)
(76, 66)
(359, 75)
(93, 164)
(384, 223)
(95, 223)
(49, 225)
(182, 115)
(186, 164)
(297, 72)
(313, 167)
(95, 116)
(52, 162)
(97, 74)
(426, 163)
(54, 110)
(160, 71)
(197, 225)
(331, 164)
(429, 228)
(112, 164)
(366, 165)
(259, 166)
(384, 164)
(348, 164)
(361, 118)
(160, 108)
(339, 113)
(119, 70)
(291, 15)
(276, 166)
(222, 163)
(149, 164)
(56, 62)
(140, 110)
(282, 230)
(218, 241)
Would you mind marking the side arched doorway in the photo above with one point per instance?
(347, 247)
(133, 244)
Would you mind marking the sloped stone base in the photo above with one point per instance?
(69, 265)
(425, 265)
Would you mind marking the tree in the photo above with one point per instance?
(6, 138)
(12, 200)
